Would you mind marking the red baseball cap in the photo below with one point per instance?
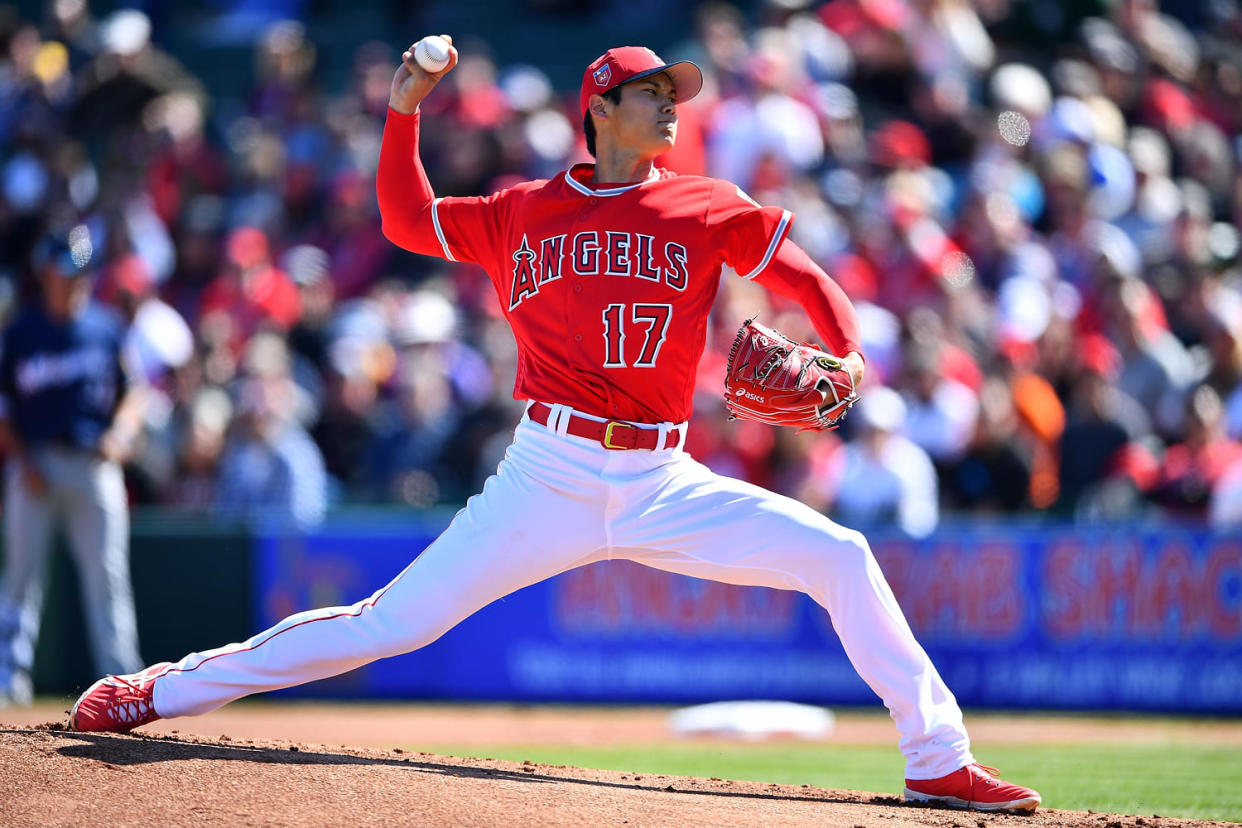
(627, 63)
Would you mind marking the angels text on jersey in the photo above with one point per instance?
(596, 253)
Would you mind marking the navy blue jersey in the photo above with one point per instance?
(60, 383)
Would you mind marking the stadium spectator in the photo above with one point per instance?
(994, 474)
(1191, 470)
(270, 470)
(252, 293)
(128, 72)
(941, 412)
(309, 268)
(158, 339)
(1103, 427)
(199, 446)
(410, 453)
(882, 478)
(766, 135)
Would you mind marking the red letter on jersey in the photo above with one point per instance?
(586, 253)
(645, 256)
(618, 254)
(676, 276)
(551, 251)
(524, 283)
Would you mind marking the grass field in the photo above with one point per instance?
(1203, 782)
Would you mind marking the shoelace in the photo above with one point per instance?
(993, 775)
(129, 712)
(132, 710)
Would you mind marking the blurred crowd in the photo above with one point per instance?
(1037, 219)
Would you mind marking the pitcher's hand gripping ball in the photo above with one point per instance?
(772, 379)
(432, 53)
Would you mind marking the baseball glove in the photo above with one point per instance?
(772, 379)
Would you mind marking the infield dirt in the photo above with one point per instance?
(49, 776)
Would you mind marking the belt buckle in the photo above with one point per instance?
(612, 424)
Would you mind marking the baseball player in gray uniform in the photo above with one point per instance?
(69, 413)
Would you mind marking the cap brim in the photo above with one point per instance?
(686, 76)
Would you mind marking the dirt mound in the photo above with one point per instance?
(53, 777)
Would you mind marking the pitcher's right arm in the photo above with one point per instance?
(404, 193)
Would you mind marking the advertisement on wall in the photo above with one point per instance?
(1037, 617)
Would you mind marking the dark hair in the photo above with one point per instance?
(588, 125)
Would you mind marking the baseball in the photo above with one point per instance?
(432, 53)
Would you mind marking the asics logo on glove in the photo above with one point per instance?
(742, 392)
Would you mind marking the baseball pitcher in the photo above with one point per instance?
(606, 274)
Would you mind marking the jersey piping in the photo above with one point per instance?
(777, 237)
(435, 221)
(611, 191)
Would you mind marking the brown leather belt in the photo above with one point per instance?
(619, 435)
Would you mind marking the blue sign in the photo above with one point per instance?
(1038, 617)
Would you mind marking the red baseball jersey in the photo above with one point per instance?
(607, 288)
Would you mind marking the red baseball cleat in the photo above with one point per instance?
(118, 704)
(976, 787)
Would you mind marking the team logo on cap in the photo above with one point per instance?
(602, 75)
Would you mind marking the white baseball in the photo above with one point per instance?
(432, 53)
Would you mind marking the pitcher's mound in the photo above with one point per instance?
(50, 776)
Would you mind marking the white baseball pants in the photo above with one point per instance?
(85, 495)
(557, 502)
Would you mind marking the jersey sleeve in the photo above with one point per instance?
(456, 229)
(795, 276)
(747, 234)
(469, 229)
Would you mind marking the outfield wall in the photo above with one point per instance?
(1057, 617)
(1034, 617)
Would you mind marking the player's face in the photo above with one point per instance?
(63, 295)
(646, 118)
